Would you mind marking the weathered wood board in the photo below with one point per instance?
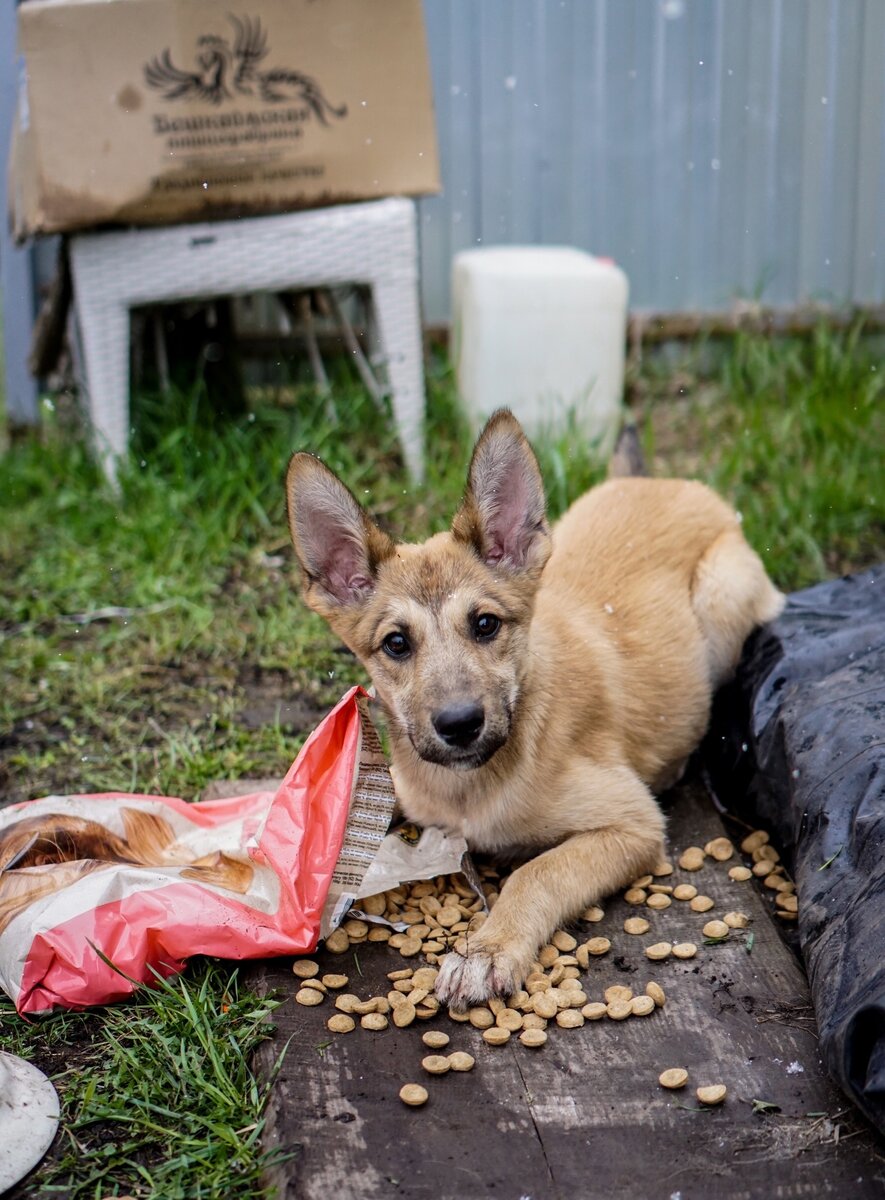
(584, 1116)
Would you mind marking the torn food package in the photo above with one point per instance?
(100, 893)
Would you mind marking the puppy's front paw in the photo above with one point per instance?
(476, 976)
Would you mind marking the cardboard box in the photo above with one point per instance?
(158, 111)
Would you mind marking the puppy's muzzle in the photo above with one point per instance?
(460, 725)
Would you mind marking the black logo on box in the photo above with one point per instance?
(224, 71)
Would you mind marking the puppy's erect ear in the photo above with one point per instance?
(503, 515)
(338, 546)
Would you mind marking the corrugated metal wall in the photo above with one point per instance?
(714, 148)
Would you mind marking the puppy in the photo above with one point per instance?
(541, 686)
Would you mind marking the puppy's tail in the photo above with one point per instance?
(627, 457)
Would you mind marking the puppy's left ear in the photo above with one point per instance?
(503, 516)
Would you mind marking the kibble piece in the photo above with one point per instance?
(435, 1039)
(428, 1009)
(308, 997)
(533, 1037)
(569, 1018)
(355, 930)
(509, 1019)
(416, 995)
(636, 895)
(788, 903)
(537, 983)
(404, 1015)
(560, 997)
(658, 952)
(531, 1020)
(740, 874)
(547, 956)
(544, 1004)
(346, 1002)
(593, 1011)
(305, 968)
(642, 881)
(692, 859)
(403, 973)
(720, 848)
(714, 1094)
(481, 1018)
(619, 1010)
(593, 913)
(460, 1017)
(375, 906)
(636, 925)
(775, 882)
(582, 954)
(374, 1020)
(425, 977)
(642, 1006)
(316, 984)
(662, 868)
(766, 854)
(341, 1023)
(754, 840)
(410, 947)
(716, 929)
(379, 933)
(660, 889)
(618, 992)
(337, 942)
(436, 1064)
(413, 1094)
(496, 1036)
(761, 869)
(685, 950)
(556, 976)
(736, 920)
(335, 981)
(657, 901)
(598, 945)
(657, 994)
(448, 916)
(685, 891)
(786, 915)
(675, 1077)
(563, 941)
(460, 1060)
(701, 904)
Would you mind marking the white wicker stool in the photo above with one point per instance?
(372, 244)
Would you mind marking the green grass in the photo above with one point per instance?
(164, 696)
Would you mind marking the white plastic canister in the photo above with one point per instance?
(541, 330)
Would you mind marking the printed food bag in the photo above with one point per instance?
(144, 882)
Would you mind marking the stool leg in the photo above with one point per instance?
(104, 336)
(399, 331)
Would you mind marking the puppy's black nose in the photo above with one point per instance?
(459, 725)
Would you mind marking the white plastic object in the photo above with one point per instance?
(28, 1118)
(541, 330)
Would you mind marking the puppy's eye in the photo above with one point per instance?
(486, 626)
(396, 645)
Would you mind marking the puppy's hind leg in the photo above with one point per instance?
(731, 595)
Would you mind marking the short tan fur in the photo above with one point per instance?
(541, 687)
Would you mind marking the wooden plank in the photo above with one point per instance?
(584, 1115)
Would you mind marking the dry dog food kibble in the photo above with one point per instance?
(642, 1006)
(675, 1077)
(404, 1015)
(593, 913)
(435, 1039)
(619, 1010)
(692, 859)
(480, 1018)
(754, 840)
(305, 968)
(636, 895)
(341, 1023)
(657, 901)
(720, 848)
(460, 1060)
(533, 1037)
(598, 945)
(563, 941)
(496, 1036)
(375, 1020)
(662, 868)
(593, 1011)
(636, 925)
(413, 1094)
(618, 992)
(658, 952)
(714, 1094)
(685, 891)
(335, 981)
(701, 904)
(309, 997)
(716, 929)
(315, 984)
(642, 881)
(337, 942)
(740, 874)
(736, 920)
(509, 1019)
(569, 1018)
(685, 950)
(657, 994)
(436, 1064)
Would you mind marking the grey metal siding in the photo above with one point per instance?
(716, 149)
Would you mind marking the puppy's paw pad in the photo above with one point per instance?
(478, 976)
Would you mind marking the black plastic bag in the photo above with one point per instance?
(798, 743)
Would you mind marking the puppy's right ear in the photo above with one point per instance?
(338, 546)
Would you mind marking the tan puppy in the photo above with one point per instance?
(541, 688)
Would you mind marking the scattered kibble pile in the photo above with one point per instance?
(441, 914)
